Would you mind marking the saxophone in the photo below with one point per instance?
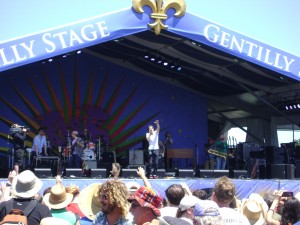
(217, 153)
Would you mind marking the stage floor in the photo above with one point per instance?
(244, 187)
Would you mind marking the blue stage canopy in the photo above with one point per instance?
(262, 32)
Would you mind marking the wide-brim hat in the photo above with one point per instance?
(132, 186)
(58, 198)
(147, 197)
(26, 185)
(54, 221)
(89, 201)
(255, 209)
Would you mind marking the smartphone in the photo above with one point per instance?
(287, 194)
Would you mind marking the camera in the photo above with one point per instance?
(15, 128)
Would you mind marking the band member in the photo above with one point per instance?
(210, 158)
(86, 137)
(40, 144)
(152, 137)
(222, 149)
(76, 150)
(18, 135)
(168, 142)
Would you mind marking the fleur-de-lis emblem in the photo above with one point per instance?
(159, 10)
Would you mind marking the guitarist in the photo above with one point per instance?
(76, 150)
(222, 148)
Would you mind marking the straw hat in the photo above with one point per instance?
(255, 209)
(26, 185)
(58, 198)
(89, 201)
(54, 220)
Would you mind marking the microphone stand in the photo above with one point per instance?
(196, 149)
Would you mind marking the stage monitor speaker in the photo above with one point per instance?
(206, 174)
(220, 173)
(99, 173)
(42, 172)
(213, 173)
(240, 174)
(186, 173)
(92, 164)
(161, 173)
(129, 173)
(73, 172)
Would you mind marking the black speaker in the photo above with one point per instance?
(282, 171)
(99, 173)
(161, 173)
(4, 165)
(297, 169)
(108, 157)
(129, 173)
(213, 173)
(186, 173)
(206, 174)
(42, 172)
(240, 174)
(73, 172)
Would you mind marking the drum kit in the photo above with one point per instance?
(92, 150)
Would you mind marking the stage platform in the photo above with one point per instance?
(244, 187)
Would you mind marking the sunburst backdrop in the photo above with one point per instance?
(62, 112)
(112, 102)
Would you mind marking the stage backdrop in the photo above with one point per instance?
(113, 103)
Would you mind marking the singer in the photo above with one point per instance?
(152, 137)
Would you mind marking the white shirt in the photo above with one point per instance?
(153, 140)
(233, 217)
(39, 142)
(168, 211)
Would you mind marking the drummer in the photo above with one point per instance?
(86, 137)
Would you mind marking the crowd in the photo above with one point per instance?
(114, 202)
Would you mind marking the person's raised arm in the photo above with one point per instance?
(141, 172)
(157, 126)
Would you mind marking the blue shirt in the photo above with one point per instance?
(101, 219)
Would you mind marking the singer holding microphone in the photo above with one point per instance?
(153, 137)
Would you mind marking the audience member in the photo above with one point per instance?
(89, 203)
(186, 209)
(174, 194)
(291, 211)
(5, 188)
(24, 187)
(58, 200)
(132, 187)
(73, 206)
(207, 213)
(145, 206)
(54, 221)
(113, 196)
(255, 209)
(115, 170)
(201, 194)
(223, 195)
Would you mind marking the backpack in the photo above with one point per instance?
(17, 216)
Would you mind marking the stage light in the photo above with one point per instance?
(166, 63)
(152, 58)
(78, 52)
(50, 60)
(159, 60)
(179, 68)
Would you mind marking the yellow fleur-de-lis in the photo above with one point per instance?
(159, 9)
